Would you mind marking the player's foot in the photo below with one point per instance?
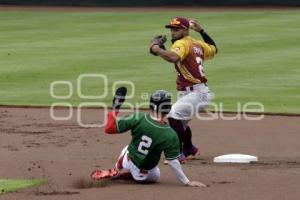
(191, 151)
(182, 158)
(103, 174)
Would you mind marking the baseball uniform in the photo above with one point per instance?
(193, 92)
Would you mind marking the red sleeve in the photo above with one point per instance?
(111, 124)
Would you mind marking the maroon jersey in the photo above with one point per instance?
(192, 54)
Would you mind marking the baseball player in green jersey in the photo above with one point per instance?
(151, 135)
(188, 55)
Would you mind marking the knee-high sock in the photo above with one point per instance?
(187, 141)
(179, 129)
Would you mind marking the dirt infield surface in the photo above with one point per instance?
(35, 146)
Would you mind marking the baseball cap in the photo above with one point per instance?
(179, 22)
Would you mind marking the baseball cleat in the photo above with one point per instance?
(182, 158)
(103, 174)
(191, 151)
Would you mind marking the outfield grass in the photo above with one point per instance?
(8, 185)
(258, 57)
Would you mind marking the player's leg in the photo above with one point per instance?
(122, 163)
(153, 175)
(134, 171)
(146, 176)
(182, 112)
(119, 163)
(200, 101)
(139, 175)
(188, 147)
(185, 138)
(179, 129)
(113, 172)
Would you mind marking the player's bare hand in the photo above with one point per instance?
(195, 25)
(196, 184)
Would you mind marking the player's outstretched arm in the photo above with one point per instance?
(118, 100)
(157, 48)
(177, 169)
(165, 54)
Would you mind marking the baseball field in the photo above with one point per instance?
(258, 58)
(257, 64)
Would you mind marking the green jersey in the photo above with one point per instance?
(149, 139)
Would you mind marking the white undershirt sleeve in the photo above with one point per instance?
(177, 169)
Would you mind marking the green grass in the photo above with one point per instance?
(9, 185)
(258, 57)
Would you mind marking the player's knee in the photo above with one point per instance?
(154, 176)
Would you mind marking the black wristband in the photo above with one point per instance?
(208, 39)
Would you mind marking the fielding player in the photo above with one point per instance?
(188, 55)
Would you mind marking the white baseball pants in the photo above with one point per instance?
(190, 101)
(139, 175)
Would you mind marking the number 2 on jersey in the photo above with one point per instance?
(144, 145)
(199, 62)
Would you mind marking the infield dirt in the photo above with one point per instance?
(35, 146)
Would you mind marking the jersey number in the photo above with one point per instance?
(199, 62)
(145, 144)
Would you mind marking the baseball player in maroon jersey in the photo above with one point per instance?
(188, 55)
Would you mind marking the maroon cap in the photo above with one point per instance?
(179, 22)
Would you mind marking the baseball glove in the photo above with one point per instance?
(158, 40)
(119, 98)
